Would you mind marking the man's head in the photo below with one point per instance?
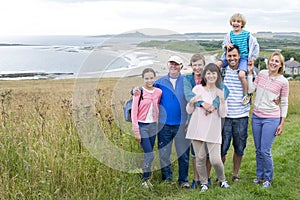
(233, 57)
(174, 64)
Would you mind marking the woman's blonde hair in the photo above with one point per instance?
(238, 16)
(281, 60)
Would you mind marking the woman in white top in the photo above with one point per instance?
(205, 129)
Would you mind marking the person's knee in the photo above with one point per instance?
(216, 161)
(201, 158)
(224, 149)
(265, 152)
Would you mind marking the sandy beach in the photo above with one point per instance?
(137, 57)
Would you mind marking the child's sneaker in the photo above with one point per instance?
(267, 184)
(224, 184)
(203, 188)
(246, 99)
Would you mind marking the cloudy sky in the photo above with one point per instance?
(95, 17)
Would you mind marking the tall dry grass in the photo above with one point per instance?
(43, 157)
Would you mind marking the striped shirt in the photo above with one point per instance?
(234, 101)
(241, 40)
(269, 88)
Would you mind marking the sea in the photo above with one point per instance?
(36, 57)
(56, 57)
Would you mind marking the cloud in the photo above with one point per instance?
(112, 17)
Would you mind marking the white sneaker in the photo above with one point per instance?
(147, 184)
(257, 181)
(185, 185)
(203, 188)
(224, 184)
(266, 184)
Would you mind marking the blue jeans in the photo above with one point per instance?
(166, 135)
(237, 129)
(148, 135)
(264, 130)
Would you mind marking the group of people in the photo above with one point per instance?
(208, 111)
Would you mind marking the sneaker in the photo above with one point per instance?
(235, 179)
(195, 184)
(246, 99)
(266, 184)
(185, 185)
(147, 184)
(204, 188)
(224, 184)
(258, 181)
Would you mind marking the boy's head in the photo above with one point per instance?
(238, 17)
(197, 64)
(197, 57)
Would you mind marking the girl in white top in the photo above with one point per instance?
(205, 129)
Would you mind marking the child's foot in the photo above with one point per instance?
(246, 99)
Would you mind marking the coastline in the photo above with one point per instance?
(115, 61)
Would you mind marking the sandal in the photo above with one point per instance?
(246, 99)
(235, 179)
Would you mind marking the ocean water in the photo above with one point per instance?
(60, 56)
(46, 54)
(64, 54)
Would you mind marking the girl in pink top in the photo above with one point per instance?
(205, 129)
(144, 121)
(269, 112)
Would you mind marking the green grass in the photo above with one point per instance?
(42, 157)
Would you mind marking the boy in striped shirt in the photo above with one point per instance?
(248, 46)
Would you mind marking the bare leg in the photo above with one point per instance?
(244, 83)
(223, 159)
(208, 167)
(237, 160)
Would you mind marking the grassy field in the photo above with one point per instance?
(42, 155)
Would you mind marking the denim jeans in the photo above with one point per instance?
(148, 135)
(264, 130)
(237, 129)
(166, 135)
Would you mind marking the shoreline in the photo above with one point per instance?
(108, 62)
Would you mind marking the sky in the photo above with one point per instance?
(99, 17)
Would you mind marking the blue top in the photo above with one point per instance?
(241, 40)
(189, 84)
(172, 103)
